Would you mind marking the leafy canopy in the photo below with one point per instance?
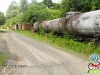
(35, 13)
(48, 3)
(2, 18)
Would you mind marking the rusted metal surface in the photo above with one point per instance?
(26, 26)
(56, 25)
(19, 27)
(45, 25)
(86, 24)
(15, 27)
(70, 28)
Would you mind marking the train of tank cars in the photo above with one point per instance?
(81, 26)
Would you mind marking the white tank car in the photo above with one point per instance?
(84, 24)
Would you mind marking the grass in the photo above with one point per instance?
(67, 44)
(3, 58)
(94, 71)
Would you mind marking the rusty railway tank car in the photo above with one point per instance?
(36, 26)
(57, 25)
(45, 26)
(83, 24)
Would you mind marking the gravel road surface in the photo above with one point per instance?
(31, 57)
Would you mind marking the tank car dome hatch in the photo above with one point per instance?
(71, 13)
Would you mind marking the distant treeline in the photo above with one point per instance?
(25, 12)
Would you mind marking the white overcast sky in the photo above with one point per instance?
(5, 3)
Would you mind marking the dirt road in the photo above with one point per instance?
(30, 57)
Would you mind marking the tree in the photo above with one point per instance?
(2, 18)
(48, 3)
(35, 13)
(13, 9)
(56, 6)
(76, 5)
(64, 7)
(71, 5)
(95, 4)
(23, 6)
(34, 2)
(54, 14)
(85, 5)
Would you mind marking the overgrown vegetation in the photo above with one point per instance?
(2, 18)
(79, 5)
(26, 12)
(66, 43)
(3, 58)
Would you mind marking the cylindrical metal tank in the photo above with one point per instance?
(57, 25)
(45, 25)
(84, 24)
(36, 26)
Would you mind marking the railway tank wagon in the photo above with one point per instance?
(45, 26)
(84, 24)
(36, 26)
(58, 25)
